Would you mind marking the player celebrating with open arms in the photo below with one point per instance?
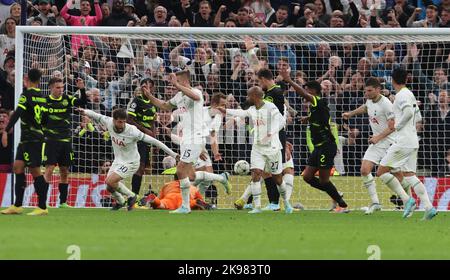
(189, 101)
(325, 148)
(126, 156)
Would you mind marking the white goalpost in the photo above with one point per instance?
(114, 60)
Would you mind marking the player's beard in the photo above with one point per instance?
(118, 130)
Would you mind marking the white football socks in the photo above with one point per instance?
(256, 193)
(369, 183)
(392, 182)
(118, 197)
(420, 190)
(206, 177)
(289, 180)
(124, 190)
(247, 193)
(185, 193)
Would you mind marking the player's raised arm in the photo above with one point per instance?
(76, 102)
(286, 75)
(154, 142)
(236, 112)
(358, 111)
(93, 115)
(184, 86)
(161, 104)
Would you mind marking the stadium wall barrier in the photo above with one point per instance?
(90, 191)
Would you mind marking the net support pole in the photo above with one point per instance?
(18, 85)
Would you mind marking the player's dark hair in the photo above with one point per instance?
(215, 99)
(54, 80)
(399, 76)
(143, 81)
(120, 114)
(265, 73)
(373, 82)
(34, 75)
(314, 85)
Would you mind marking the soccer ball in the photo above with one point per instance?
(241, 167)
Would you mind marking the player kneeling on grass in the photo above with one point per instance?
(325, 148)
(126, 156)
(266, 149)
(169, 197)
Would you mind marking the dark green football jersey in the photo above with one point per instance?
(143, 111)
(275, 95)
(29, 108)
(319, 122)
(57, 116)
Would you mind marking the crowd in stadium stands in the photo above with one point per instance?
(112, 67)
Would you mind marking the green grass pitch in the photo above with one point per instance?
(222, 234)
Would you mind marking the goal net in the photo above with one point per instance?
(113, 61)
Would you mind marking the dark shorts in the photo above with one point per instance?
(144, 152)
(323, 156)
(282, 136)
(56, 152)
(30, 153)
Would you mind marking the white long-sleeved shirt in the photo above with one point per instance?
(266, 120)
(125, 142)
(405, 110)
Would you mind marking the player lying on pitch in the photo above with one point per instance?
(170, 198)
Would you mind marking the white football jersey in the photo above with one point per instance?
(212, 123)
(266, 120)
(192, 116)
(379, 114)
(124, 143)
(406, 137)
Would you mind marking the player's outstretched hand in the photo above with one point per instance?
(304, 120)
(81, 111)
(346, 116)
(374, 139)
(218, 157)
(4, 139)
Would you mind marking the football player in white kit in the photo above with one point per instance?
(380, 112)
(401, 157)
(124, 138)
(266, 150)
(189, 101)
(213, 122)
